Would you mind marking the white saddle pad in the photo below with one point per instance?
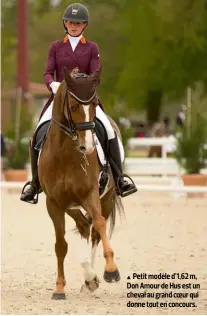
(101, 154)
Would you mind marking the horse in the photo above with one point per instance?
(69, 171)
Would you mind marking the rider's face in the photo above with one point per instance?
(75, 28)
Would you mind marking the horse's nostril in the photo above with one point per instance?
(82, 148)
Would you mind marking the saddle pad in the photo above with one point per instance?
(46, 116)
(100, 151)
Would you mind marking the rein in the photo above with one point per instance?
(72, 128)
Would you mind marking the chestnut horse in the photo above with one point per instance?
(69, 171)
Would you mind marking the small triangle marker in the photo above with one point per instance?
(128, 278)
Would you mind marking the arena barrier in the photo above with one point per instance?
(154, 167)
(167, 143)
(141, 187)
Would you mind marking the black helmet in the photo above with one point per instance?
(76, 12)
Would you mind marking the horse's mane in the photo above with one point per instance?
(74, 71)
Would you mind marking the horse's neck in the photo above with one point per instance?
(65, 148)
(58, 115)
(57, 136)
(60, 138)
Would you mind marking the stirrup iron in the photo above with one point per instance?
(128, 192)
(35, 199)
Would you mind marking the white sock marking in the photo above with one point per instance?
(89, 273)
(93, 255)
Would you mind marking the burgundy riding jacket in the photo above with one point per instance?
(85, 57)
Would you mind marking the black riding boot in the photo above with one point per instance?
(123, 187)
(34, 188)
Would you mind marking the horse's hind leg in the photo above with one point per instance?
(93, 207)
(61, 246)
(82, 224)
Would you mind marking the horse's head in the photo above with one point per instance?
(80, 101)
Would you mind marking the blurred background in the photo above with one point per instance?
(154, 85)
(153, 54)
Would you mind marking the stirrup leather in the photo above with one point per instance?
(35, 199)
(103, 183)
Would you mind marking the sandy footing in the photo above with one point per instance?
(159, 235)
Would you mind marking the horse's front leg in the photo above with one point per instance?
(95, 239)
(90, 276)
(93, 207)
(61, 246)
(83, 226)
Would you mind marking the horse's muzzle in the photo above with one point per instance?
(82, 148)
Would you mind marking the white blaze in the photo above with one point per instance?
(88, 137)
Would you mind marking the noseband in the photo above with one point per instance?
(71, 130)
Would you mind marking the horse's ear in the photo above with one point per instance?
(69, 80)
(95, 76)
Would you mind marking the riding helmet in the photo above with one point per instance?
(76, 12)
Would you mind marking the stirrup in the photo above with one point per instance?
(35, 199)
(128, 192)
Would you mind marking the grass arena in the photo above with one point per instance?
(160, 249)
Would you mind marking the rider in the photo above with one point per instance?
(75, 52)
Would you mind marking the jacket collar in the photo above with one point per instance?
(82, 39)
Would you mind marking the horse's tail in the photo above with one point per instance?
(118, 206)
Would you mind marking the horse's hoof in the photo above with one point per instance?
(91, 285)
(58, 296)
(112, 276)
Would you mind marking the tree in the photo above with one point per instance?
(149, 49)
(165, 51)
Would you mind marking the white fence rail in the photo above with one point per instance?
(152, 166)
(140, 187)
(167, 143)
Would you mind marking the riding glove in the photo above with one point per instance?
(54, 86)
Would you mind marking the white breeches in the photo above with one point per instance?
(104, 119)
(46, 116)
(99, 114)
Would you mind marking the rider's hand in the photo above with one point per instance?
(54, 86)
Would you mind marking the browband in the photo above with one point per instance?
(83, 101)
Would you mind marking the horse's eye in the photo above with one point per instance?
(95, 101)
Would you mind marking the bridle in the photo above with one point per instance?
(71, 130)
